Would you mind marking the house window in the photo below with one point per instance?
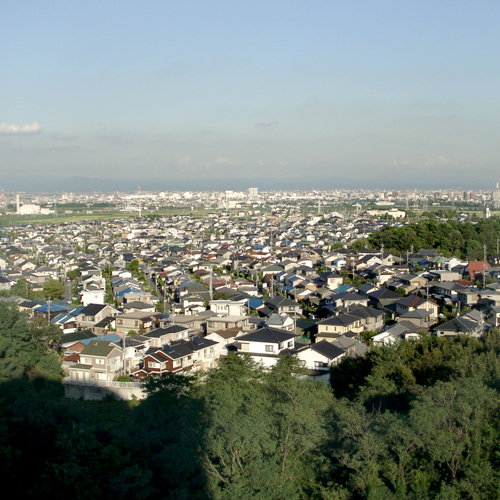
(153, 364)
(290, 343)
(243, 347)
(269, 348)
(99, 361)
(177, 363)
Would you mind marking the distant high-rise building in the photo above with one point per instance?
(3, 201)
(253, 193)
(495, 197)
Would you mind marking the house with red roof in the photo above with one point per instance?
(477, 267)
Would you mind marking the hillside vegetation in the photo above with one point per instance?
(464, 240)
(418, 420)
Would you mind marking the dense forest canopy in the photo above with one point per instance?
(462, 239)
(416, 420)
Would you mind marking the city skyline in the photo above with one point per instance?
(221, 96)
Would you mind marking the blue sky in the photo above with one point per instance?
(206, 93)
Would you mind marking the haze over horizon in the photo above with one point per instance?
(223, 95)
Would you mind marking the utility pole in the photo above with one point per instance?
(49, 302)
(295, 312)
(123, 354)
(484, 268)
(211, 286)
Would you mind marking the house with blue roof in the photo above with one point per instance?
(56, 308)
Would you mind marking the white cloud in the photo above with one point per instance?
(398, 163)
(221, 160)
(11, 128)
(266, 124)
(440, 161)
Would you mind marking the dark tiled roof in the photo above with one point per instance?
(92, 309)
(328, 349)
(267, 334)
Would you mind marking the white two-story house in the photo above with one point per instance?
(265, 345)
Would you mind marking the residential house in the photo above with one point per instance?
(413, 302)
(196, 354)
(100, 360)
(228, 307)
(215, 323)
(137, 321)
(459, 326)
(161, 336)
(318, 358)
(339, 325)
(94, 313)
(266, 344)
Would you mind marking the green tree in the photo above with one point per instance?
(25, 290)
(453, 421)
(53, 289)
(26, 349)
(133, 267)
(266, 428)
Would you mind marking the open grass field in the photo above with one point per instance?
(102, 214)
